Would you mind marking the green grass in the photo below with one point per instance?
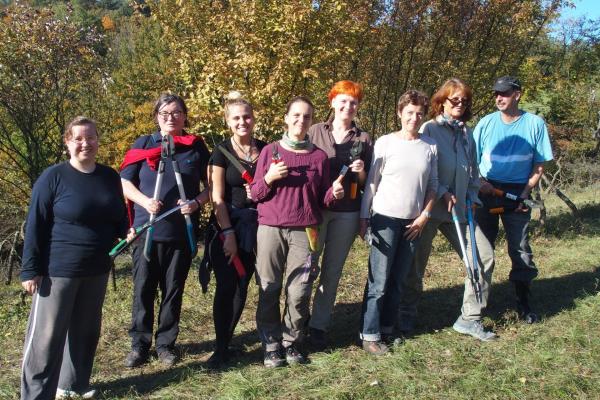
(558, 358)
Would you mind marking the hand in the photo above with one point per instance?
(248, 194)
(130, 234)
(230, 247)
(31, 286)
(449, 200)
(338, 188)
(521, 208)
(362, 228)
(188, 208)
(486, 187)
(276, 171)
(414, 230)
(357, 165)
(152, 206)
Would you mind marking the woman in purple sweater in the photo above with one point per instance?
(290, 186)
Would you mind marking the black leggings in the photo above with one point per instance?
(230, 295)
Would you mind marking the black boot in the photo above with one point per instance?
(523, 308)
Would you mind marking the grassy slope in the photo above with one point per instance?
(557, 358)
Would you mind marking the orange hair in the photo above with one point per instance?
(350, 88)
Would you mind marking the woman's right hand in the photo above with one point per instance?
(230, 247)
(362, 228)
(32, 285)
(152, 206)
(277, 170)
(449, 200)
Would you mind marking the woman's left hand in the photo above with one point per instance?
(414, 230)
(188, 208)
(357, 165)
(338, 188)
(248, 194)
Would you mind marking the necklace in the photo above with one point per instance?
(247, 154)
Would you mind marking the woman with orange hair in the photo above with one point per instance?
(458, 180)
(349, 146)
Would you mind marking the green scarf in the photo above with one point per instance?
(296, 145)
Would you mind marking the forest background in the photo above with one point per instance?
(110, 59)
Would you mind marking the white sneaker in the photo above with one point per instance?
(62, 394)
(473, 328)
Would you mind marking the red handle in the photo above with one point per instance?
(237, 263)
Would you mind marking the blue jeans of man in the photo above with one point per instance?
(516, 228)
(389, 263)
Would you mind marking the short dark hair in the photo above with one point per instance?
(298, 99)
(168, 98)
(79, 121)
(414, 97)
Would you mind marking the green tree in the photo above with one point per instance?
(48, 67)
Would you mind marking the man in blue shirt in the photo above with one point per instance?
(512, 147)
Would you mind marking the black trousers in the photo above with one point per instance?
(167, 270)
(230, 294)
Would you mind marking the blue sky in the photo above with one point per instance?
(587, 8)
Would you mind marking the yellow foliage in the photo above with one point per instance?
(107, 23)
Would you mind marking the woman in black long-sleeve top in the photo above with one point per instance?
(76, 213)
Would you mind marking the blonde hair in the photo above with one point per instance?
(235, 98)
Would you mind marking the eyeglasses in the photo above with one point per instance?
(80, 140)
(459, 100)
(174, 114)
(508, 93)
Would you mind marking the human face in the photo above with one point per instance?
(171, 119)
(345, 107)
(411, 118)
(83, 144)
(456, 104)
(507, 101)
(298, 119)
(240, 120)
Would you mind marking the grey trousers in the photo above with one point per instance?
(281, 251)
(62, 335)
(336, 236)
(471, 309)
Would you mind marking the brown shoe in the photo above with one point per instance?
(376, 348)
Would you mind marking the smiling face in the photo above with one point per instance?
(240, 120)
(411, 118)
(83, 144)
(345, 107)
(507, 101)
(298, 119)
(455, 104)
(171, 119)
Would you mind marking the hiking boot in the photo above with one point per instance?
(393, 340)
(62, 394)
(317, 339)
(136, 358)
(218, 359)
(293, 355)
(167, 357)
(376, 348)
(274, 359)
(523, 309)
(473, 328)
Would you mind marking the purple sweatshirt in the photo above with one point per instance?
(295, 200)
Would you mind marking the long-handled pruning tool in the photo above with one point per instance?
(468, 267)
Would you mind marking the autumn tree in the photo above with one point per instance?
(48, 68)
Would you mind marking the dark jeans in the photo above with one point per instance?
(516, 227)
(230, 295)
(168, 269)
(389, 262)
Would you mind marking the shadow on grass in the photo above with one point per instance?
(439, 308)
(565, 225)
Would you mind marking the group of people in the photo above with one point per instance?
(286, 211)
